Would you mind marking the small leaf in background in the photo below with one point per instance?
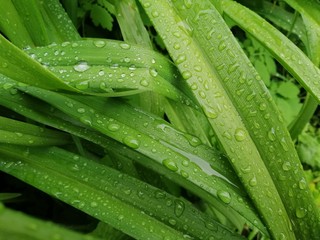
(313, 179)
(308, 147)
(101, 16)
(263, 71)
(286, 97)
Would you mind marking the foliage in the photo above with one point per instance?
(190, 127)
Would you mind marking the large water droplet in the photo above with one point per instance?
(253, 181)
(224, 196)
(186, 75)
(302, 184)
(131, 142)
(286, 166)
(301, 212)
(125, 46)
(171, 165)
(240, 134)
(113, 127)
(86, 120)
(272, 135)
(81, 67)
(153, 72)
(99, 43)
(181, 59)
(179, 207)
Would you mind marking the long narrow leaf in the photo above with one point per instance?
(187, 24)
(123, 193)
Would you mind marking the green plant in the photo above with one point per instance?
(186, 143)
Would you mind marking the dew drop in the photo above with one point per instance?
(210, 112)
(81, 110)
(272, 135)
(179, 207)
(240, 134)
(125, 46)
(144, 83)
(155, 14)
(153, 72)
(284, 144)
(262, 106)
(184, 174)
(301, 212)
(233, 67)
(171, 165)
(113, 127)
(93, 204)
(172, 221)
(176, 46)
(286, 166)
(224, 196)
(131, 142)
(99, 43)
(86, 120)
(253, 181)
(302, 184)
(222, 46)
(186, 75)
(81, 67)
(180, 59)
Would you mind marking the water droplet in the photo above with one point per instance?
(184, 174)
(227, 135)
(155, 14)
(82, 85)
(202, 94)
(272, 135)
(286, 166)
(224, 196)
(233, 67)
(153, 72)
(81, 110)
(81, 67)
(240, 134)
(113, 127)
(160, 194)
(263, 106)
(253, 181)
(144, 83)
(93, 204)
(284, 144)
(101, 73)
(131, 142)
(99, 43)
(301, 212)
(180, 59)
(302, 184)
(179, 207)
(172, 221)
(210, 112)
(186, 75)
(171, 165)
(194, 86)
(222, 46)
(86, 120)
(125, 46)
(176, 46)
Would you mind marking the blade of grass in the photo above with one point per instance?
(139, 199)
(16, 225)
(16, 132)
(191, 168)
(12, 25)
(192, 60)
(280, 145)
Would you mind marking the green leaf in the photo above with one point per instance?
(101, 16)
